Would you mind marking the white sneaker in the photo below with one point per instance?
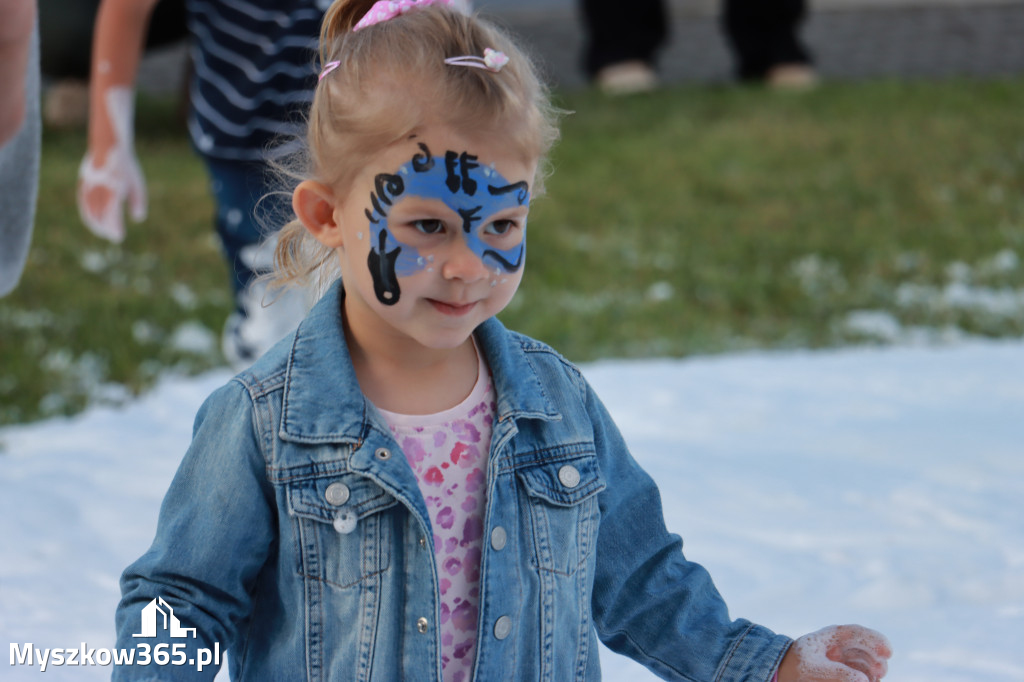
(626, 78)
(791, 77)
(269, 317)
(237, 351)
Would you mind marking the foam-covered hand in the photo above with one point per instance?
(102, 190)
(838, 653)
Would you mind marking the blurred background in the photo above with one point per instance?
(879, 201)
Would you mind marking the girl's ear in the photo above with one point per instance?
(313, 203)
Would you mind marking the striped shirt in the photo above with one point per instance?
(254, 71)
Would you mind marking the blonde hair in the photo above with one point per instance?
(391, 80)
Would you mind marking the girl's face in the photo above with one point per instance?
(434, 238)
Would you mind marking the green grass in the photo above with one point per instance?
(693, 220)
(699, 220)
(91, 319)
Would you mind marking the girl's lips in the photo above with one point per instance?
(454, 309)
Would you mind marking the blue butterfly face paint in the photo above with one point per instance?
(472, 191)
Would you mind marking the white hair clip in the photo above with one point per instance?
(491, 61)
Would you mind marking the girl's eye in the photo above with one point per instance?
(428, 226)
(501, 227)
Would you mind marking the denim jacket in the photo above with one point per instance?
(294, 537)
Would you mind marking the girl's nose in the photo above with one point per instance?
(462, 263)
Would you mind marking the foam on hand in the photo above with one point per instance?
(102, 190)
(850, 653)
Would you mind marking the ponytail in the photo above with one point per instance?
(339, 20)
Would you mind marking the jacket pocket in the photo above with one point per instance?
(562, 499)
(343, 536)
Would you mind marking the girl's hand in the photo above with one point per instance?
(838, 653)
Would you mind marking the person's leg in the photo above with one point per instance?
(763, 35)
(246, 219)
(618, 34)
(19, 172)
(236, 187)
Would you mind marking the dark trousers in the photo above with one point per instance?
(622, 32)
(247, 213)
(761, 33)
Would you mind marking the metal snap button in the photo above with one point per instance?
(423, 542)
(337, 494)
(345, 521)
(569, 476)
(503, 627)
(498, 538)
(383, 454)
(422, 625)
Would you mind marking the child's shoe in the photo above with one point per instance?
(626, 78)
(791, 77)
(263, 318)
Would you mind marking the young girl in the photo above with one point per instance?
(405, 490)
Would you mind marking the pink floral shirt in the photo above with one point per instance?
(448, 451)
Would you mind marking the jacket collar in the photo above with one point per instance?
(322, 401)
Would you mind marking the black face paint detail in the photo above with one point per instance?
(421, 163)
(508, 266)
(382, 269)
(469, 216)
(522, 187)
(466, 163)
(386, 183)
(376, 204)
(452, 181)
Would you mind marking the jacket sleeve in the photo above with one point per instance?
(649, 602)
(213, 536)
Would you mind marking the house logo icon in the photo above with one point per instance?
(170, 622)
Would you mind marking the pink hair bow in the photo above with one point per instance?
(383, 10)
